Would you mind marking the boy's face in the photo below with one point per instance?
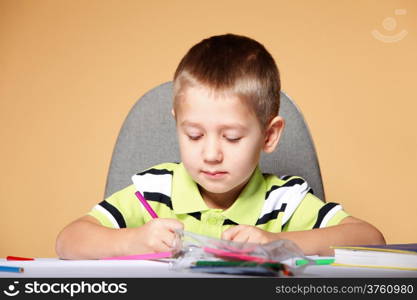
(220, 140)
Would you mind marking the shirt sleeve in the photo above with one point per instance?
(120, 210)
(313, 213)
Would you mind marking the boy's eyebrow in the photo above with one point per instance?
(224, 126)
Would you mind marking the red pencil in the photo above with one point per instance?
(18, 258)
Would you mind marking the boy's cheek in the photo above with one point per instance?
(189, 155)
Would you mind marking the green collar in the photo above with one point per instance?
(186, 197)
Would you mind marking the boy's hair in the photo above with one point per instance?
(232, 64)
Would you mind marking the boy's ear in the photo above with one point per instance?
(173, 112)
(273, 134)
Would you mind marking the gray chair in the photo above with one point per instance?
(148, 137)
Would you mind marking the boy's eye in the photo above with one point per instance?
(233, 140)
(194, 137)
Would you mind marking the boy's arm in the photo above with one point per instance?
(350, 231)
(86, 238)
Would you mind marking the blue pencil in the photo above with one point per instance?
(11, 269)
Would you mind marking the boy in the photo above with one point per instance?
(226, 102)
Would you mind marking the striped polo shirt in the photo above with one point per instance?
(268, 202)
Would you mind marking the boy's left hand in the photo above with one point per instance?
(248, 234)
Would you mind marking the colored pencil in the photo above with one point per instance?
(147, 256)
(18, 258)
(146, 205)
(324, 261)
(236, 256)
(210, 263)
(11, 269)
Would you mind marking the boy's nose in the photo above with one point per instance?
(212, 151)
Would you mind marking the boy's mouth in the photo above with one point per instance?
(215, 174)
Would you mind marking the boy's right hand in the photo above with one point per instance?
(156, 235)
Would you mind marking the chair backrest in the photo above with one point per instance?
(148, 137)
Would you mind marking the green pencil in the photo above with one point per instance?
(324, 261)
(210, 263)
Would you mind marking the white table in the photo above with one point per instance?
(56, 268)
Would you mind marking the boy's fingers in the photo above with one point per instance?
(163, 247)
(166, 240)
(253, 240)
(173, 224)
(227, 234)
(169, 241)
(230, 233)
(240, 237)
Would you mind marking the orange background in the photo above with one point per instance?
(71, 70)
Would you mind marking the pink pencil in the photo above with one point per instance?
(146, 205)
(235, 256)
(146, 256)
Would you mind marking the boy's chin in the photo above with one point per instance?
(215, 188)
